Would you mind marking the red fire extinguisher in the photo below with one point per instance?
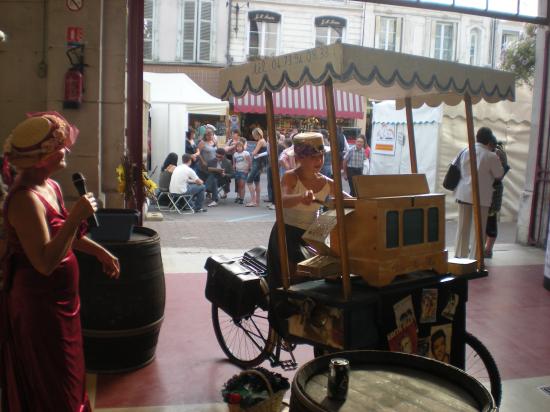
(74, 82)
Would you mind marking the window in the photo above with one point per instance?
(475, 36)
(388, 33)
(263, 36)
(148, 18)
(329, 30)
(508, 37)
(197, 30)
(444, 41)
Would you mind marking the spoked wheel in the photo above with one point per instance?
(247, 341)
(480, 364)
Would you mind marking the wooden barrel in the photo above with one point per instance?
(121, 318)
(389, 381)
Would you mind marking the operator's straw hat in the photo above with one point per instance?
(308, 144)
(38, 136)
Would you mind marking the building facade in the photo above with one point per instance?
(199, 37)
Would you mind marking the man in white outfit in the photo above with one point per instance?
(489, 168)
(185, 181)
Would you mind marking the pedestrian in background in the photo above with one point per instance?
(496, 202)
(489, 168)
(327, 165)
(258, 161)
(353, 163)
(242, 163)
(191, 149)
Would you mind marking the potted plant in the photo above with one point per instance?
(118, 224)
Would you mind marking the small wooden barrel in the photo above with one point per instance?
(389, 381)
(121, 318)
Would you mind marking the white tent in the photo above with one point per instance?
(439, 135)
(173, 97)
(389, 145)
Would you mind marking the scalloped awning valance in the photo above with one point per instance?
(373, 73)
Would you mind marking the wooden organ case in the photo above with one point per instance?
(396, 226)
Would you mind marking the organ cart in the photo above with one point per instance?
(382, 278)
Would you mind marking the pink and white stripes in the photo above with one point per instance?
(308, 100)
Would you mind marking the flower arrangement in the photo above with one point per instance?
(310, 123)
(247, 391)
(126, 183)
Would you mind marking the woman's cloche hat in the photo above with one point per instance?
(308, 143)
(38, 136)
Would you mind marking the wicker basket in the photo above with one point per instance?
(271, 404)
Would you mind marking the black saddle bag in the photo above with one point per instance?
(234, 285)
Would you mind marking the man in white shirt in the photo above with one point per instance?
(185, 181)
(489, 168)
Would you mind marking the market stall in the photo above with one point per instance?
(406, 296)
(173, 97)
(377, 74)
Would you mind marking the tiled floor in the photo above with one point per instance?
(509, 311)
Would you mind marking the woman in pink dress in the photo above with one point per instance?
(42, 359)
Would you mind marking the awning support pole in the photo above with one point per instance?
(410, 132)
(134, 132)
(475, 181)
(338, 196)
(273, 160)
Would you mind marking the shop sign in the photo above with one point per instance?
(330, 21)
(384, 139)
(265, 16)
(234, 122)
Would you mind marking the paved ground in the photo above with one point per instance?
(190, 368)
(234, 226)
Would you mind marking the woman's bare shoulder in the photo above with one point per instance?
(290, 178)
(23, 203)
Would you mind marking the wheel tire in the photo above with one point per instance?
(248, 341)
(480, 364)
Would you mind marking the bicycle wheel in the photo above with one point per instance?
(480, 364)
(247, 341)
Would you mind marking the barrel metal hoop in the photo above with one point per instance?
(121, 333)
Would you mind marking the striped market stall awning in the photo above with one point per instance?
(308, 100)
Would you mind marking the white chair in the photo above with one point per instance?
(181, 203)
(176, 202)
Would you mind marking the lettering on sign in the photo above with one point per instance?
(75, 5)
(330, 21)
(284, 62)
(266, 16)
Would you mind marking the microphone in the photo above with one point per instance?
(80, 183)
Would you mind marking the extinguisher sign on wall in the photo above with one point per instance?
(74, 34)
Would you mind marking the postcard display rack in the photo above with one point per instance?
(403, 297)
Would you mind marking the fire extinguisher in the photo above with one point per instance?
(74, 87)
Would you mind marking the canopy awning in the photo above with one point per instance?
(179, 88)
(376, 74)
(307, 100)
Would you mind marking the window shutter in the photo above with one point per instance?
(377, 30)
(205, 30)
(148, 29)
(188, 30)
(398, 26)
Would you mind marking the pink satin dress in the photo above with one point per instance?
(43, 361)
